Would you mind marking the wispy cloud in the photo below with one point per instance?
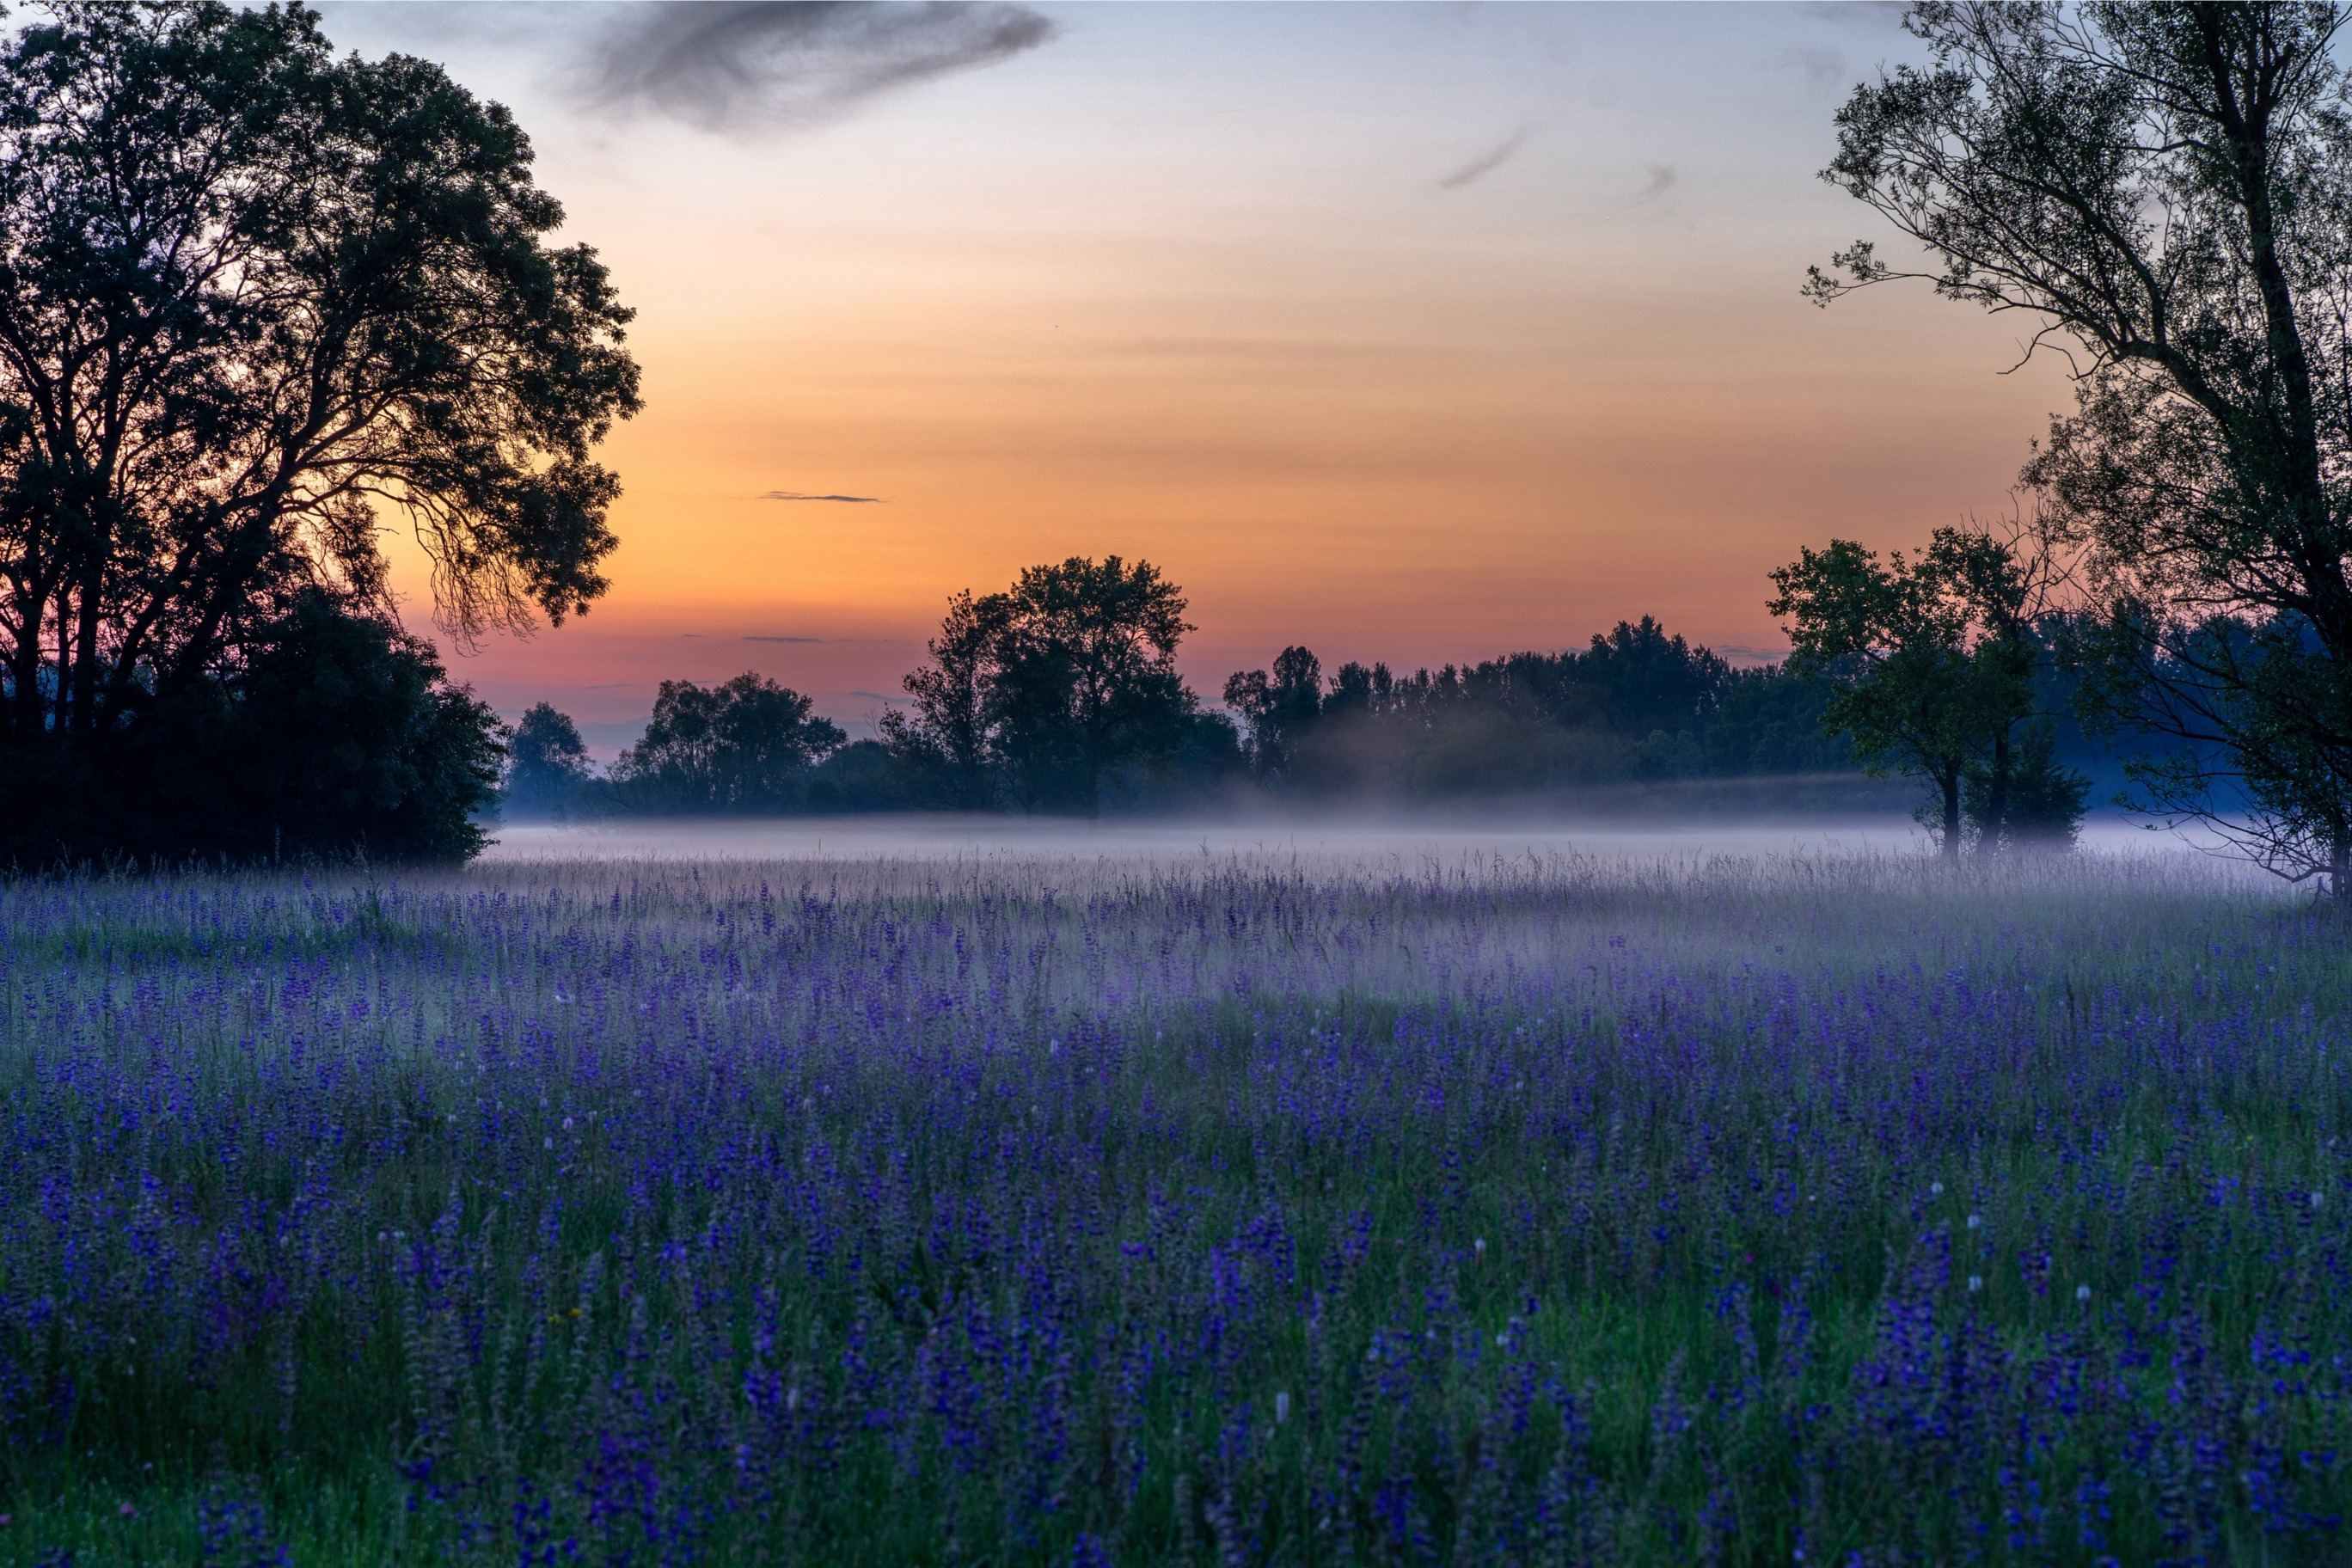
(725, 65)
(1662, 180)
(1486, 163)
(787, 639)
(796, 495)
(611, 686)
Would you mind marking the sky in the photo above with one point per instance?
(1420, 333)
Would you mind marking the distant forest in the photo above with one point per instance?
(1058, 699)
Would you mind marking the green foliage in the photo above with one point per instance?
(2043, 808)
(742, 747)
(1637, 708)
(860, 776)
(338, 736)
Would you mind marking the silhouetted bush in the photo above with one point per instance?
(336, 735)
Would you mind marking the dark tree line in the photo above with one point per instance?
(1636, 706)
(1060, 695)
(1054, 693)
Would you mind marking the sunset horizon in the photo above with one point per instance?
(1414, 335)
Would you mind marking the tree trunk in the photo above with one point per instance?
(1996, 799)
(1951, 781)
(2340, 865)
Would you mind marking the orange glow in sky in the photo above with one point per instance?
(1421, 335)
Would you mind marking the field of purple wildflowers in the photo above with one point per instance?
(1249, 1209)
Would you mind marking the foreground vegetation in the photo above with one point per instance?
(1839, 1210)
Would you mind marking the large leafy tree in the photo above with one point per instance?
(256, 303)
(2165, 190)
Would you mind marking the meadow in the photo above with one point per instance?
(1244, 1206)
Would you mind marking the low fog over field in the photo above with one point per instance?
(1329, 841)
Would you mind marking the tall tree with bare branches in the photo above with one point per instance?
(2164, 192)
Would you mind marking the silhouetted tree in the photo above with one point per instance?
(2041, 804)
(861, 776)
(942, 748)
(1083, 678)
(254, 292)
(1279, 711)
(1050, 687)
(744, 746)
(1770, 722)
(1926, 656)
(2169, 189)
(547, 762)
(1649, 681)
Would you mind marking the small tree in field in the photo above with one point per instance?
(744, 746)
(547, 762)
(1933, 659)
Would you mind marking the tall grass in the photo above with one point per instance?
(1253, 1209)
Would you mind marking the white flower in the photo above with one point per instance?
(1479, 1247)
(2082, 1293)
(1936, 1189)
(546, 1142)
(2318, 1199)
(1281, 1408)
(1975, 1220)
(1976, 1283)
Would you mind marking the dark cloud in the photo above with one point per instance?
(795, 495)
(730, 64)
(1489, 161)
(787, 639)
(611, 686)
(1662, 180)
(1823, 68)
(1857, 13)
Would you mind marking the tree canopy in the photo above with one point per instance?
(1044, 691)
(547, 762)
(743, 747)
